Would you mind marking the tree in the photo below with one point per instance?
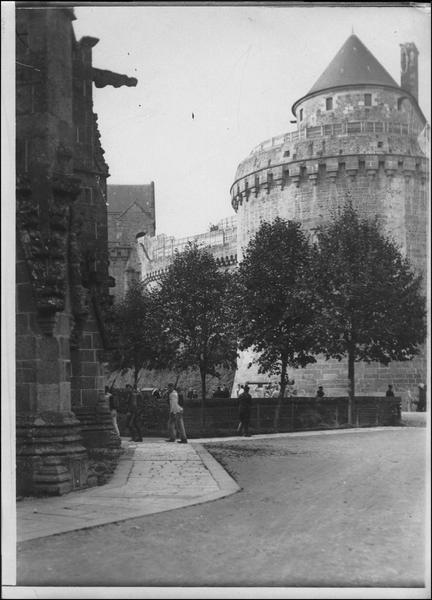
(371, 304)
(276, 311)
(141, 340)
(198, 314)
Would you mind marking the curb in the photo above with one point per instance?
(102, 497)
(263, 436)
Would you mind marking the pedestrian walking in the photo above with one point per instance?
(390, 392)
(133, 416)
(113, 406)
(245, 404)
(175, 421)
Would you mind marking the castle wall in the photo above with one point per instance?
(157, 253)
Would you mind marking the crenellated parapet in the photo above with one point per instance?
(330, 168)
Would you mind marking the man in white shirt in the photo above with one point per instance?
(175, 417)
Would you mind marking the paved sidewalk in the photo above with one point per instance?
(152, 477)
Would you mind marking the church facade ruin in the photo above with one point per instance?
(64, 435)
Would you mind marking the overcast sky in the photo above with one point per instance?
(238, 70)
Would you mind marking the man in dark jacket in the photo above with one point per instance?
(245, 404)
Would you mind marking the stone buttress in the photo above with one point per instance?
(64, 435)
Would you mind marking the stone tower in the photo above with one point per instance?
(357, 135)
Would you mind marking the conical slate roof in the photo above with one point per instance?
(353, 65)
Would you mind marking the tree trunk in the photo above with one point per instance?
(351, 392)
(284, 364)
(203, 395)
(136, 373)
(112, 384)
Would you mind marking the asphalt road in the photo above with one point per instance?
(332, 510)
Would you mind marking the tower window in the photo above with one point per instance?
(368, 99)
(286, 153)
(380, 144)
(400, 103)
(301, 114)
(329, 103)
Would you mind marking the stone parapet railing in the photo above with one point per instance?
(344, 128)
(296, 414)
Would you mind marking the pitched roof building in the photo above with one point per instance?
(131, 213)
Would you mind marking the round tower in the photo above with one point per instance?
(357, 136)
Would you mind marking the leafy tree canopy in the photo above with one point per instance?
(371, 303)
(141, 339)
(198, 312)
(277, 303)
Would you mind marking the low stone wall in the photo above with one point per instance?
(296, 414)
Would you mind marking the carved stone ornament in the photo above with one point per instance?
(43, 231)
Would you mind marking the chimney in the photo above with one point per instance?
(409, 68)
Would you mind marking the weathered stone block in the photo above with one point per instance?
(90, 369)
(22, 324)
(87, 355)
(47, 348)
(25, 394)
(48, 372)
(21, 272)
(24, 298)
(25, 347)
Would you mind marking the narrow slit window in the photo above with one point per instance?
(368, 99)
(329, 103)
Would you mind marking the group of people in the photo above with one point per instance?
(271, 390)
(221, 392)
(134, 423)
(420, 402)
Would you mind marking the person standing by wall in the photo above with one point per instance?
(390, 392)
(133, 417)
(421, 403)
(113, 406)
(245, 404)
(320, 392)
(175, 421)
